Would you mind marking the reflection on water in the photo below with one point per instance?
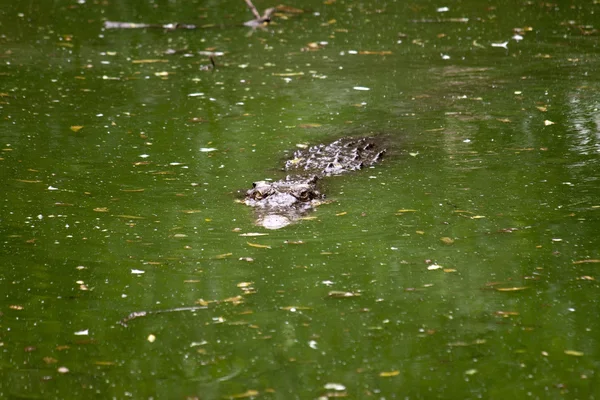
(462, 266)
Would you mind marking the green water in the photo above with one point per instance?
(472, 251)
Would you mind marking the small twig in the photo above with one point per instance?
(139, 314)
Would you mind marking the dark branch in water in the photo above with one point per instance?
(139, 314)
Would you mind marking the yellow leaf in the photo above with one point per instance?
(389, 373)
(101, 209)
(221, 256)
(260, 246)
(130, 217)
(76, 128)
(27, 181)
(511, 289)
(403, 210)
(148, 61)
(248, 393)
(574, 353)
(342, 213)
(447, 240)
(548, 122)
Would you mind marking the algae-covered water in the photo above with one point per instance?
(464, 265)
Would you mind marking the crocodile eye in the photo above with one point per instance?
(304, 195)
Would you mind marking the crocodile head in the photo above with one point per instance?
(280, 203)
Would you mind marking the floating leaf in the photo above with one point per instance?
(27, 181)
(447, 240)
(405, 210)
(288, 74)
(259, 246)
(377, 53)
(130, 217)
(337, 294)
(587, 278)
(221, 256)
(244, 284)
(151, 338)
(254, 234)
(101, 209)
(76, 128)
(471, 371)
(387, 374)
(148, 61)
(548, 122)
(586, 261)
(433, 267)
(574, 353)
(334, 386)
(511, 289)
(506, 313)
(248, 393)
(309, 125)
(342, 213)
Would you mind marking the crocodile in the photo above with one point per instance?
(282, 202)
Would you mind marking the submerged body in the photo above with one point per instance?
(281, 202)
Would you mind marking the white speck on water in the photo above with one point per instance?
(207, 149)
(334, 386)
(312, 344)
(467, 141)
(360, 88)
(504, 45)
(195, 94)
(443, 9)
(82, 333)
(52, 188)
(445, 56)
(352, 52)
(144, 155)
(137, 271)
